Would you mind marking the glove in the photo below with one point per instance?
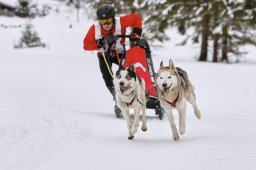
(136, 33)
(111, 39)
(120, 53)
(134, 37)
(100, 42)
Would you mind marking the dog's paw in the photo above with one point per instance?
(144, 129)
(176, 136)
(130, 137)
(198, 114)
(133, 129)
(182, 130)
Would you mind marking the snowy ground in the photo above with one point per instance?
(56, 113)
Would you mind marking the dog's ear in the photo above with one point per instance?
(131, 67)
(121, 67)
(161, 65)
(171, 64)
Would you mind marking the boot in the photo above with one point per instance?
(159, 110)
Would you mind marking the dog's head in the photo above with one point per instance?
(125, 79)
(167, 77)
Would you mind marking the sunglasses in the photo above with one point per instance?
(106, 21)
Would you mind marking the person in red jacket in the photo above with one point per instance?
(100, 35)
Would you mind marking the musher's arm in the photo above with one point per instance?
(134, 21)
(90, 42)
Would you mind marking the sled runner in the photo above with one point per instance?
(140, 55)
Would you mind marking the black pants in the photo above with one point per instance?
(105, 72)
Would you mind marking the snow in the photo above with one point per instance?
(56, 113)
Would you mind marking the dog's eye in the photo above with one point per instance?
(161, 77)
(169, 77)
(128, 77)
(118, 76)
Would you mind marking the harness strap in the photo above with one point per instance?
(110, 72)
(129, 104)
(173, 103)
(140, 102)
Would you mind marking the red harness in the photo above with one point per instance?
(173, 103)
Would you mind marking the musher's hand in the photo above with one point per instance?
(100, 42)
(111, 39)
(120, 53)
(134, 37)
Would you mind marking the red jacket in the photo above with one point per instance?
(131, 20)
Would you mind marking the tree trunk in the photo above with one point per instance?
(224, 57)
(215, 48)
(216, 34)
(205, 34)
(77, 9)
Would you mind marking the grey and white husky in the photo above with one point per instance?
(174, 90)
(130, 93)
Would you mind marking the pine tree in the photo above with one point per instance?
(23, 9)
(228, 24)
(237, 27)
(216, 34)
(205, 25)
(29, 38)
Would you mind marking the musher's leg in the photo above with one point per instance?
(107, 77)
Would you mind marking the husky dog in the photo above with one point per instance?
(174, 90)
(130, 93)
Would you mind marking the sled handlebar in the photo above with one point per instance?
(123, 36)
(111, 39)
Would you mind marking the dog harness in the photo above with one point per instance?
(129, 104)
(173, 103)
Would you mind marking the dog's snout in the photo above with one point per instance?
(121, 83)
(164, 85)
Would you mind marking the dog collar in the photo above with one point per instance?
(173, 103)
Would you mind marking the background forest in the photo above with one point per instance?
(221, 27)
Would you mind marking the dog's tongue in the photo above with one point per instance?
(123, 89)
(166, 89)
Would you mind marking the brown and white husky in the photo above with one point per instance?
(174, 90)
